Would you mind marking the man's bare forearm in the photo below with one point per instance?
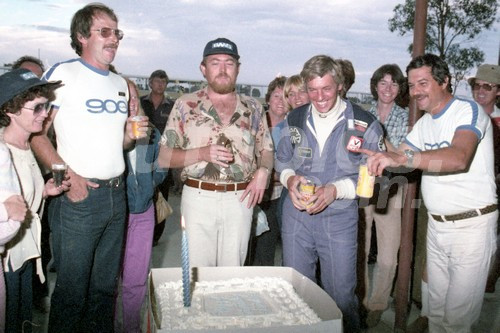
(44, 150)
(178, 158)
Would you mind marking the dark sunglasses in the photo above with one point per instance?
(106, 32)
(39, 108)
(485, 86)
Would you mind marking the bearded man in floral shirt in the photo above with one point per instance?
(222, 142)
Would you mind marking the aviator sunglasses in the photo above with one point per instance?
(106, 32)
(486, 86)
(39, 108)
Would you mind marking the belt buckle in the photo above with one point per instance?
(114, 182)
(224, 186)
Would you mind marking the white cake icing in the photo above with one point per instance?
(234, 303)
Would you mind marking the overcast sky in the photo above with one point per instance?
(273, 36)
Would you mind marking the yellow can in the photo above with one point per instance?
(366, 182)
(307, 190)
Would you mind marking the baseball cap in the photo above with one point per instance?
(488, 73)
(221, 46)
(18, 81)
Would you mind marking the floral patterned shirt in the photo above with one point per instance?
(194, 123)
(395, 125)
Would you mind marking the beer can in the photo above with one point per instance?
(366, 182)
(307, 190)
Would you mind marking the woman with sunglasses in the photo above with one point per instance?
(24, 106)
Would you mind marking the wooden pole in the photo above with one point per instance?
(407, 226)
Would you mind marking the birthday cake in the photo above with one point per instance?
(234, 303)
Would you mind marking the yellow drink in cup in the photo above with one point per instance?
(307, 190)
(135, 126)
(364, 189)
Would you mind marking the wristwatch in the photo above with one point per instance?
(409, 155)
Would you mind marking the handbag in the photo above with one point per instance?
(162, 208)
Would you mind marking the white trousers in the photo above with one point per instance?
(458, 258)
(217, 225)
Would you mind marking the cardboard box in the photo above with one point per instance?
(311, 293)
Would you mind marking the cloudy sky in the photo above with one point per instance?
(273, 36)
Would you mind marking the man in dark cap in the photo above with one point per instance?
(222, 142)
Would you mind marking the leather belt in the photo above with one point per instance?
(112, 182)
(215, 186)
(465, 215)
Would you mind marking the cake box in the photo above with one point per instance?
(317, 299)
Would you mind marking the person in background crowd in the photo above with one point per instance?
(90, 121)
(295, 92)
(295, 95)
(486, 89)
(24, 100)
(222, 142)
(265, 244)
(486, 92)
(349, 76)
(142, 179)
(387, 85)
(158, 107)
(321, 146)
(453, 144)
(29, 62)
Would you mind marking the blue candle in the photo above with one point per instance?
(186, 287)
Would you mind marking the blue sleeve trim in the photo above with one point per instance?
(470, 128)
(412, 146)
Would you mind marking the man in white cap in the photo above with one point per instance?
(486, 89)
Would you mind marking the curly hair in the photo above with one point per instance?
(27, 58)
(15, 104)
(278, 82)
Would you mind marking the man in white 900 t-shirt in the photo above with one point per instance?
(90, 121)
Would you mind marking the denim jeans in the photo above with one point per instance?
(87, 247)
(19, 298)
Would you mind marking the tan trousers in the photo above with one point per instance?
(388, 227)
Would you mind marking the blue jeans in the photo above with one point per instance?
(19, 298)
(87, 246)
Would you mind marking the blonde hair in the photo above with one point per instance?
(130, 83)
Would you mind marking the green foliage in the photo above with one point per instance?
(452, 26)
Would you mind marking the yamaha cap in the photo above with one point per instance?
(221, 46)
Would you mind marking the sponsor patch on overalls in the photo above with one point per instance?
(304, 152)
(354, 143)
(295, 136)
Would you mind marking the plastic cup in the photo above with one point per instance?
(59, 172)
(135, 126)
